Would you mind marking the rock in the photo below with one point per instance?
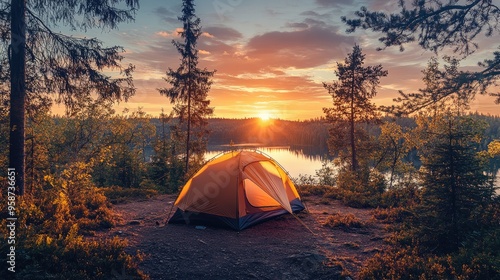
(134, 223)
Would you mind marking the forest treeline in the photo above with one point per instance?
(312, 132)
(125, 150)
(273, 132)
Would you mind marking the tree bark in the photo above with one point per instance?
(353, 141)
(17, 92)
(188, 138)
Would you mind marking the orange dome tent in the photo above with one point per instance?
(237, 189)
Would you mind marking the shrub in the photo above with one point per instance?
(409, 263)
(351, 245)
(333, 193)
(390, 215)
(327, 174)
(306, 190)
(71, 256)
(51, 221)
(343, 221)
(396, 197)
(120, 195)
(306, 180)
(361, 189)
(70, 197)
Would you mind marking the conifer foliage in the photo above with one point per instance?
(455, 189)
(41, 60)
(189, 86)
(351, 94)
(436, 26)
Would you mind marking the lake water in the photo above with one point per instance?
(294, 161)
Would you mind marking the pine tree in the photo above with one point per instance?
(455, 190)
(17, 53)
(44, 61)
(166, 169)
(351, 102)
(439, 25)
(190, 86)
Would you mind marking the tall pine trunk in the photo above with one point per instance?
(353, 141)
(17, 91)
(188, 137)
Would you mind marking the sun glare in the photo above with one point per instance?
(264, 116)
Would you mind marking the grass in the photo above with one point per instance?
(349, 221)
(122, 195)
(390, 215)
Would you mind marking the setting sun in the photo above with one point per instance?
(264, 116)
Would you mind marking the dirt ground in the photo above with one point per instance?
(281, 248)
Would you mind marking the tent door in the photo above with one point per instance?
(257, 197)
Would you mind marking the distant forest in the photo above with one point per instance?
(310, 136)
(309, 133)
(296, 134)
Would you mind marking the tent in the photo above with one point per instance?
(237, 189)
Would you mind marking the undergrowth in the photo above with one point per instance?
(347, 221)
(55, 222)
(122, 195)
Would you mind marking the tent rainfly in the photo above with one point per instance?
(237, 189)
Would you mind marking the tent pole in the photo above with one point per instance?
(170, 212)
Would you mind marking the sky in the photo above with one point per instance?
(270, 57)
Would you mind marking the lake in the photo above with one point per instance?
(295, 161)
